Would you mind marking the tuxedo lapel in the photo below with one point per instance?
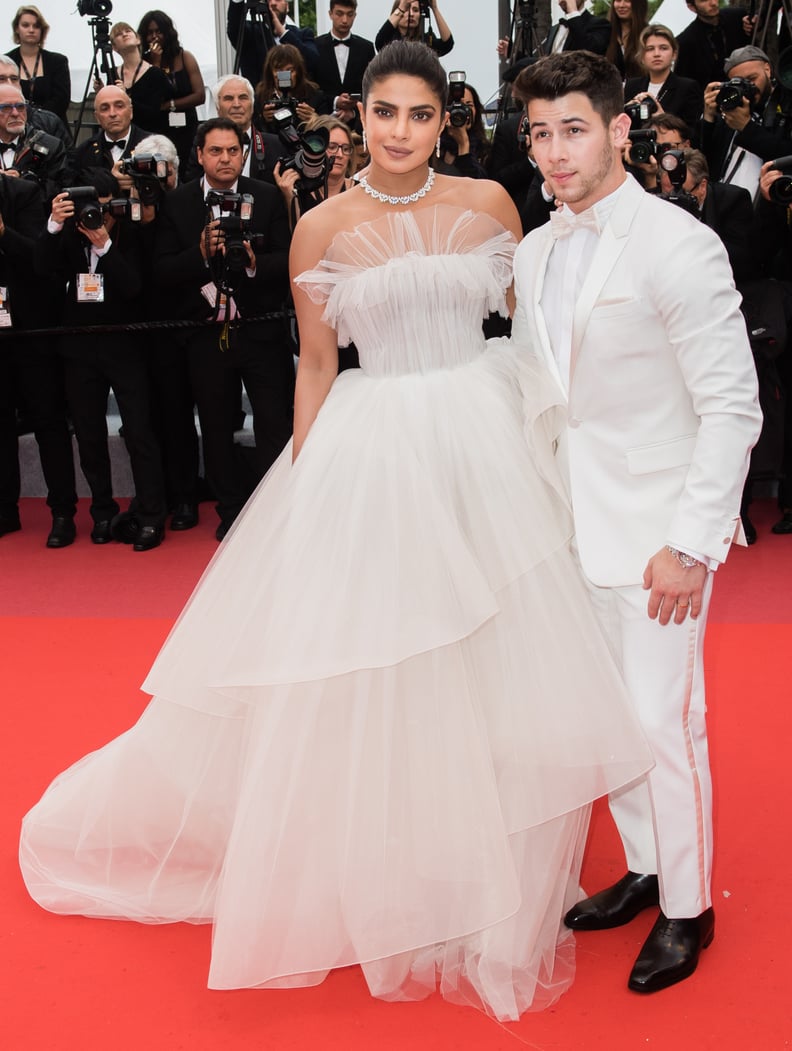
(612, 243)
(536, 306)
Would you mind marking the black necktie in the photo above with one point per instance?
(340, 43)
(245, 139)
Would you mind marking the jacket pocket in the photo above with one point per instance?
(661, 456)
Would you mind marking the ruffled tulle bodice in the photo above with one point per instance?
(392, 281)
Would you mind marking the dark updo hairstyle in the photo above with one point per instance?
(409, 59)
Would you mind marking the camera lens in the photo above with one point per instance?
(781, 190)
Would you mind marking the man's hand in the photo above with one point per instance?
(676, 591)
(212, 239)
(278, 28)
(739, 117)
(62, 208)
(125, 183)
(710, 106)
(12, 173)
(767, 177)
(98, 238)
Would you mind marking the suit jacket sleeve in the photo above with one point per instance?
(588, 32)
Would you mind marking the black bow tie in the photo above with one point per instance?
(8, 146)
(119, 144)
(340, 43)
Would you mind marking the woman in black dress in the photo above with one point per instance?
(148, 87)
(162, 48)
(43, 75)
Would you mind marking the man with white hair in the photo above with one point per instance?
(233, 97)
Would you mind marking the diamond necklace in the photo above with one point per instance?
(409, 198)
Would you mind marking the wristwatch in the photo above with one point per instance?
(688, 561)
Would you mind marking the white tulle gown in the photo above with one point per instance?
(381, 717)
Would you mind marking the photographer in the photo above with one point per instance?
(713, 34)
(343, 58)
(233, 97)
(464, 146)
(206, 281)
(671, 93)
(284, 82)
(116, 138)
(670, 133)
(747, 119)
(337, 166)
(27, 152)
(271, 26)
(409, 20)
(97, 255)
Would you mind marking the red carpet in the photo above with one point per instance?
(79, 629)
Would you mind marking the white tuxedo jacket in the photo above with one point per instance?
(662, 409)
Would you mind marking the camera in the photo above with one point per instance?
(149, 173)
(124, 208)
(32, 157)
(237, 209)
(459, 112)
(781, 190)
(307, 151)
(732, 93)
(674, 165)
(640, 112)
(94, 8)
(88, 212)
(643, 145)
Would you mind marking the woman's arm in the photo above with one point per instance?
(197, 95)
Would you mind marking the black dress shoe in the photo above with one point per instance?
(783, 525)
(615, 906)
(185, 516)
(101, 534)
(125, 527)
(62, 533)
(671, 952)
(148, 537)
(9, 524)
(749, 529)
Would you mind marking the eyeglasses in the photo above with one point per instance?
(8, 107)
(334, 147)
(9, 78)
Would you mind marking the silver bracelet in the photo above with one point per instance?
(688, 561)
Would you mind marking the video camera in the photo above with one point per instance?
(89, 211)
(459, 112)
(149, 173)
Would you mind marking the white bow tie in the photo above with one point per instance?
(565, 222)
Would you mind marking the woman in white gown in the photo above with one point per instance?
(381, 717)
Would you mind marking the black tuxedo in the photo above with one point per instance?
(95, 153)
(254, 48)
(259, 353)
(704, 48)
(679, 95)
(587, 32)
(728, 210)
(361, 52)
(93, 364)
(51, 172)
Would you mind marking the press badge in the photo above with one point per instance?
(90, 288)
(177, 120)
(5, 313)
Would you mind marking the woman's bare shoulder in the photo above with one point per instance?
(317, 228)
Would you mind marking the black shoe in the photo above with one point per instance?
(101, 532)
(671, 952)
(9, 524)
(185, 516)
(148, 537)
(749, 529)
(615, 906)
(783, 525)
(62, 533)
(125, 527)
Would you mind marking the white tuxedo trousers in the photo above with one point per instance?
(665, 820)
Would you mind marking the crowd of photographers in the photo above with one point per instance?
(191, 243)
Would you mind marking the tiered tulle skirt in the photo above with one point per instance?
(379, 721)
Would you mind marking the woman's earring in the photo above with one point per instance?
(365, 144)
(437, 148)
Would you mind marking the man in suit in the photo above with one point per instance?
(713, 34)
(578, 30)
(28, 152)
(233, 98)
(343, 58)
(630, 303)
(259, 36)
(116, 138)
(192, 268)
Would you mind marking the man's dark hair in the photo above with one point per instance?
(343, 3)
(561, 74)
(670, 122)
(215, 124)
(407, 58)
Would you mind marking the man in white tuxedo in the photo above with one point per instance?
(631, 303)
